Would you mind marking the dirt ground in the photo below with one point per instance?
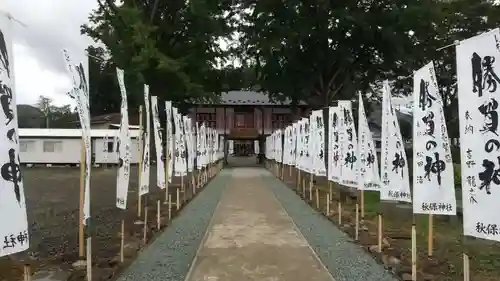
(446, 263)
(52, 196)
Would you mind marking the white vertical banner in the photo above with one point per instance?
(189, 142)
(198, 146)
(145, 164)
(231, 147)
(79, 93)
(369, 178)
(13, 218)
(170, 139)
(478, 63)
(348, 146)
(300, 146)
(307, 146)
(256, 147)
(294, 136)
(180, 165)
(334, 154)
(280, 145)
(204, 148)
(159, 143)
(290, 147)
(433, 178)
(318, 141)
(395, 183)
(123, 147)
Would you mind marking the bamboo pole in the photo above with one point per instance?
(379, 233)
(27, 272)
(145, 229)
(158, 214)
(122, 242)
(413, 252)
(89, 258)
(169, 207)
(328, 205)
(466, 267)
(178, 203)
(81, 227)
(141, 151)
(339, 209)
(430, 236)
(356, 235)
(362, 204)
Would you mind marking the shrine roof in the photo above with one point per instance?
(248, 98)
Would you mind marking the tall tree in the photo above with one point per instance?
(45, 105)
(319, 51)
(170, 45)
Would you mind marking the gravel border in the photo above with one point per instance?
(344, 259)
(170, 256)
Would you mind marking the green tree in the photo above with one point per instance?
(169, 45)
(318, 51)
(53, 116)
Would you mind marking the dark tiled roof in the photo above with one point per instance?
(248, 98)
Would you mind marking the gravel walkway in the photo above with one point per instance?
(344, 260)
(169, 257)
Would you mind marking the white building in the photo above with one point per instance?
(63, 146)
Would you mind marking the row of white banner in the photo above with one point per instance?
(189, 144)
(353, 162)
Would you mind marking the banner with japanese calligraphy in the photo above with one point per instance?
(348, 146)
(395, 183)
(291, 144)
(478, 60)
(13, 219)
(145, 164)
(299, 157)
(189, 142)
(159, 144)
(256, 147)
(203, 140)
(307, 146)
(433, 178)
(209, 145)
(295, 138)
(334, 153)
(180, 165)
(170, 139)
(80, 94)
(317, 144)
(124, 145)
(369, 178)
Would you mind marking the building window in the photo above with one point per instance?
(210, 119)
(110, 146)
(52, 146)
(24, 145)
(279, 120)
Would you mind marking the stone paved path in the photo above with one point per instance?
(252, 238)
(246, 225)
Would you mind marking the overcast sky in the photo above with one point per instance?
(38, 63)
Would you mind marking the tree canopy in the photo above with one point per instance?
(314, 51)
(319, 51)
(170, 45)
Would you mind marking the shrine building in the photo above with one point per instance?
(246, 116)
